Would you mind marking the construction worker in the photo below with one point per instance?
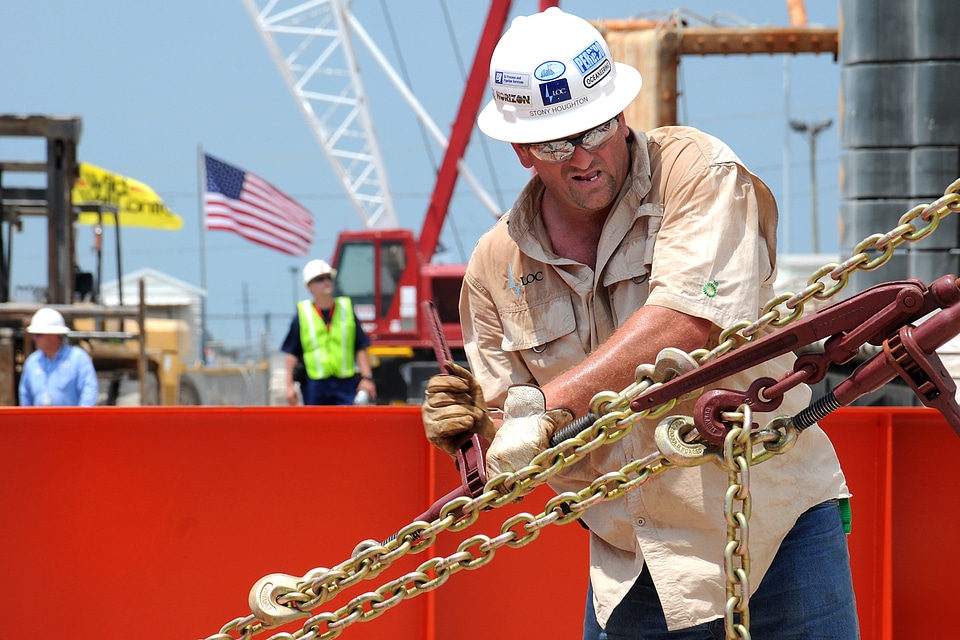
(621, 244)
(56, 374)
(327, 337)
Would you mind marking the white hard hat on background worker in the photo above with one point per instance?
(553, 76)
(47, 321)
(317, 268)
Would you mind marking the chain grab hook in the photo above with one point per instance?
(265, 599)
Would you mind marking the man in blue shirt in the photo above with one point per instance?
(56, 374)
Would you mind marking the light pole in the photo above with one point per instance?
(811, 131)
(293, 278)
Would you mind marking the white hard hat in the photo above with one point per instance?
(553, 77)
(47, 321)
(316, 268)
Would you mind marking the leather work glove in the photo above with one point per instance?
(526, 429)
(454, 406)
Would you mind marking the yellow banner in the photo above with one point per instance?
(139, 205)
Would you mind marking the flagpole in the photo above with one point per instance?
(202, 188)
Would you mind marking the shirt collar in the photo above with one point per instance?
(525, 226)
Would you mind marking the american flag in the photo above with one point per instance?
(242, 202)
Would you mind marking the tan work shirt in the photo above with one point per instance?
(693, 231)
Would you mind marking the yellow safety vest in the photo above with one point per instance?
(328, 352)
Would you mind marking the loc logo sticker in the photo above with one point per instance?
(555, 92)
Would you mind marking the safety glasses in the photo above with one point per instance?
(322, 278)
(562, 150)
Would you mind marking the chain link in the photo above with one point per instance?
(737, 454)
(615, 421)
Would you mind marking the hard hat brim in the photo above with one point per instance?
(47, 331)
(626, 86)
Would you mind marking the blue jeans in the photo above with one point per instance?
(806, 595)
(330, 391)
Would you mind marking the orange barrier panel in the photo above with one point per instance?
(902, 466)
(155, 523)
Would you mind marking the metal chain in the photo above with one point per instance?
(737, 454)
(477, 551)
(616, 421)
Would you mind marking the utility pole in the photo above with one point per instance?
(811, 130)
(293, 278)
(246, 313)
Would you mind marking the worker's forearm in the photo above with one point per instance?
(290, 362)
(363, 362)
(613, 366)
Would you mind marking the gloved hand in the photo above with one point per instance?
(526, 429)
(453, 406)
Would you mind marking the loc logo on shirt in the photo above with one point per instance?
(525, 279)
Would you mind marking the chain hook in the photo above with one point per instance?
(264, 599)
(671, 439)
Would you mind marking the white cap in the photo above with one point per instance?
(47, 321)
(316, 268)
(553, 77)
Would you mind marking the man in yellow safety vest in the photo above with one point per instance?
(327, 337)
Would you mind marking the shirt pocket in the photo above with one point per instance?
(533, 324)
(627, 275)
(634, 255)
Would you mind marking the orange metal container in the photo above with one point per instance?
(155, 522)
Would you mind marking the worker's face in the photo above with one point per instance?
(49, 343)
(587, 180)
(321, 285)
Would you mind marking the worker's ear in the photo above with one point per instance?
(523, 153)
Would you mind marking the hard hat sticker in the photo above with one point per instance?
(549, 70)
(588, 58)
(597, 74)
(555, 92)
(514, 98)
(511, 78)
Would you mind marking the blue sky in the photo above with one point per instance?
(155, 81)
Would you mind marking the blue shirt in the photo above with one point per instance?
(68, 380)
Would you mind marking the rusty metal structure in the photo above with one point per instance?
(655, 47)
(62, 135)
